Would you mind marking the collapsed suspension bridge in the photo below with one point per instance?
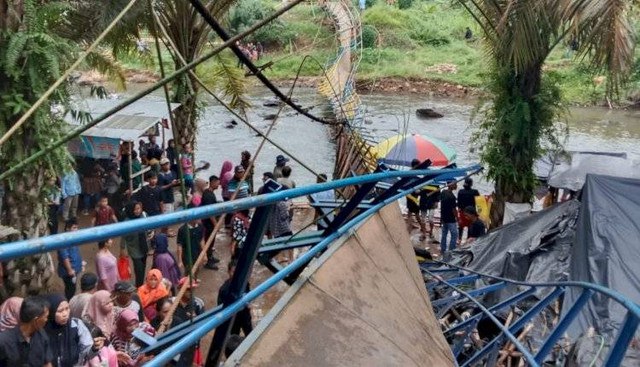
(357, 295)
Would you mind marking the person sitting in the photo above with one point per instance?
(162, 310)
(125, 296)
(105, 356)
(476, 227)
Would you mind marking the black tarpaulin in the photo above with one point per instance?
(606, 251)
(534, 249)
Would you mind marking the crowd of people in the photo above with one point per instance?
(95, 327)
(456, 213)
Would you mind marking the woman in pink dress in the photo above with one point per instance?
(106, 266)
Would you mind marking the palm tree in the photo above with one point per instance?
(189, 34)
(519, 35)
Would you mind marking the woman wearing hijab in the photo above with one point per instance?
(10, 313)
(164, 260)
(69, 338)
(99, 311)
(151, 292)
(129, 352)
(226, 175)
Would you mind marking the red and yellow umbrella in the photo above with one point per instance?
(400, 150)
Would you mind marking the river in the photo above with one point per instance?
(594, 129)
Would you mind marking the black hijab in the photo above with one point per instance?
(64, 339)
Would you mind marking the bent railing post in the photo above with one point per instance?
(240, 278)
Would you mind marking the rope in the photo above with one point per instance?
(64, 76)
(76, 132)
(183, 188)
(220, 221)
(172, 46)
(200, 8)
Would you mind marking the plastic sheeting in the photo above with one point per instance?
(535, 248)
(568, 170)
(606, 250)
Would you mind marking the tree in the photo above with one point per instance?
(519, 36)
(32, 57)
(189, 33)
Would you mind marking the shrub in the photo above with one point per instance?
(405, 4)
(369, 36)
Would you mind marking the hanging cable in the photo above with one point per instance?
(220, 221)
(170, 45)
(66, 74)
(76, 132)
(200, 8)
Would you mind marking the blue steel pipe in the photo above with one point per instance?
(216, 320)
(63, 240)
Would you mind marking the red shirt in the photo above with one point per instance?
(103, 215)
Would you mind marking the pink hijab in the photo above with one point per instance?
(95, 311)
(226, 175)
(10, 313)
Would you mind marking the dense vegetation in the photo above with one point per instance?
(427, 36)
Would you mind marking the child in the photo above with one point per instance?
(104, 214)
(240, 224)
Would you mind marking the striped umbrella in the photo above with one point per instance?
(400, 150)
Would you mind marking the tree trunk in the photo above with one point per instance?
(27, 213)
(518, 186)
(186, 117)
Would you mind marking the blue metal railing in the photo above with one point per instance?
(64, 240)
(190, 334)
(450, 276)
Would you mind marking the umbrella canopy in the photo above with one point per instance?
(400, 150)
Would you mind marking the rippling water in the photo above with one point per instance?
(594, 129)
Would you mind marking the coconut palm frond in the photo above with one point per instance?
(606, 38)
(230, 80)
(103, 62)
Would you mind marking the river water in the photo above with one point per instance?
(593, 129)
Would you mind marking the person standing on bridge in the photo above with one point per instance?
(448, 217)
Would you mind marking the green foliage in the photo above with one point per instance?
(248, 12)
(405, 4)
(369, 36)
(31, 59)
(223, 75)
(412, 27)
(514, 130)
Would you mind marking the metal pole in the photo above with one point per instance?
(130, 168)
(89, 235)
(240, 279)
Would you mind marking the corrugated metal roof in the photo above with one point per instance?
(128, 124)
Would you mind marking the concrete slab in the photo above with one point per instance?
(362, 303)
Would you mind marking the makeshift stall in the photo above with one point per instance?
(143, 118)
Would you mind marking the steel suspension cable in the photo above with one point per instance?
(170, 44)
(66, 74)
(200, 8)
(76, 132)
(167, 321)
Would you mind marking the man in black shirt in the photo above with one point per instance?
(448, 217)
(151, 196)
(167, 181)
(194, 232)
(209, 198)
(27, 345)
(466, 197)
(476, 226)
